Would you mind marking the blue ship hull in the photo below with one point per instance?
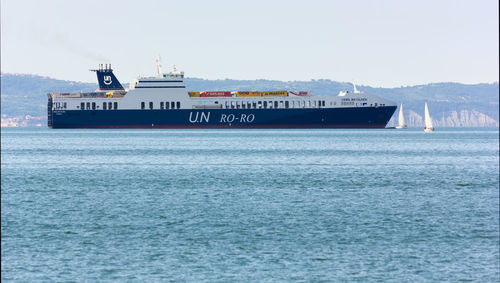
(358, 117)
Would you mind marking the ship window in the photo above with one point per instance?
(82, 106)
(265, 104)
(65, 105)
(243, 105)
(178, 105)
(254, 105)
(309, 104)
(249, 105)
(287, 104)
(162, 105)
(237, 104)
(88, 105)
(143, 105)
(93, 105)
(172, 105)
(116, 105)
(232, 104)
(151, 105)
(110, 105)
(227, 105)
(167, 105)
(104, 104)
(281, 104)
(276, 104)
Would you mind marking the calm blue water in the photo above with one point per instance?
(250, 205)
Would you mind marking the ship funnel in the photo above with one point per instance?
(106, 79)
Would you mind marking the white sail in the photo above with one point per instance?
(428, 119)
(401, 119)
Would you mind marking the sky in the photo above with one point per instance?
(381, 43)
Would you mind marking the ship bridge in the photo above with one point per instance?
(169, 80)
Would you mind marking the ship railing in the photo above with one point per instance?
(214, 106)
(88, 95)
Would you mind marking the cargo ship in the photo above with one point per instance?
(162, 101)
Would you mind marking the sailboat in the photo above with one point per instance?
(401, 119)
(428, 120)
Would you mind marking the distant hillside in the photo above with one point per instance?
(27, 94)
(450, 104)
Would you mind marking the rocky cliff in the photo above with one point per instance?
(462, 118)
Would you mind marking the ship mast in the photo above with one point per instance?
(158, 66)
(355, 89)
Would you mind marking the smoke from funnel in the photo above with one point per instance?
(77, 49)
(58, 40)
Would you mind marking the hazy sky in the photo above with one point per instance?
(377, 43)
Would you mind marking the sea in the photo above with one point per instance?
(322, 205)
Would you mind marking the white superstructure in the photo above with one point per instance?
(156, 91)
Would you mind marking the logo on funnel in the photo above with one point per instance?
(107, 80)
